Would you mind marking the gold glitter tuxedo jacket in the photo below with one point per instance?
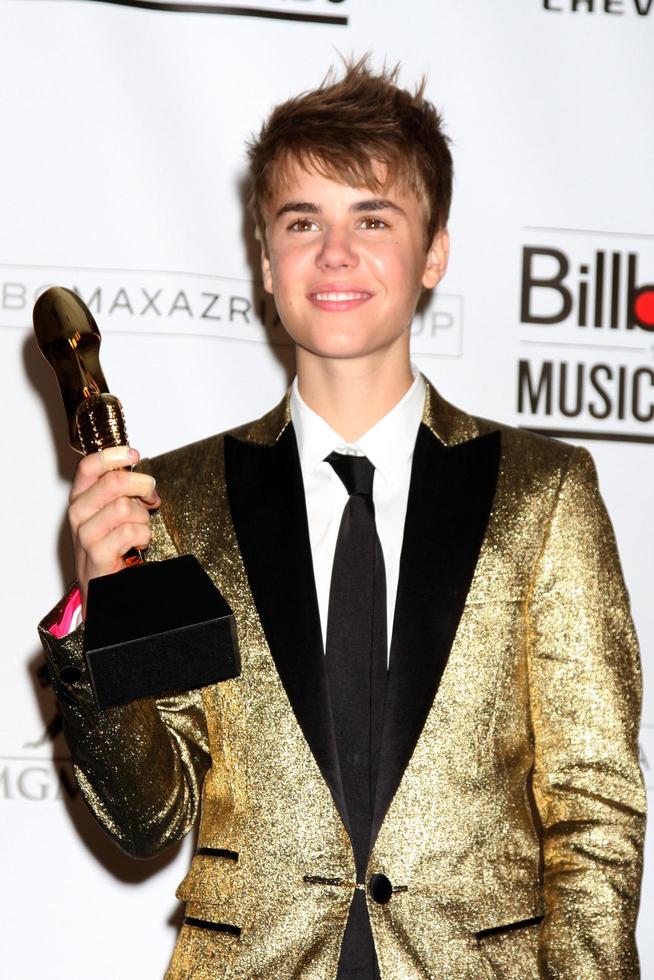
(510, 811)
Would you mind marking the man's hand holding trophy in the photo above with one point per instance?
(151, 628)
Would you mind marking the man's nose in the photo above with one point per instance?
(337, 250)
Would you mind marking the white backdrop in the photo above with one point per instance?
(121, 175)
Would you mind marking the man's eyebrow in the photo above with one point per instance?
(376, 204)
(300, 207)
(309, 207)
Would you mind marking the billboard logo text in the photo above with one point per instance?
(602, 292)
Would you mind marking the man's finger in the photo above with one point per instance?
(93, 466)
(110, 487)
(105, 556)
(123, 510)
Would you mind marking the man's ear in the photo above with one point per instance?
(266, 273)
(437, 258)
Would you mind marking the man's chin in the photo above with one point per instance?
(343, 353)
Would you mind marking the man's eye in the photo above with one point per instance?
(303, 224)
(373, 223)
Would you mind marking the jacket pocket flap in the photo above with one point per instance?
(210, 922)
(211, 878)
(500, 926)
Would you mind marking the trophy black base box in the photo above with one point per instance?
(155, 629)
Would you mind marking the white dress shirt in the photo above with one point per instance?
(389, 447)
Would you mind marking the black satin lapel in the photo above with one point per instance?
(266, 498)
(450, 499)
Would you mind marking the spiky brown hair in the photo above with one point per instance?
(344, 129)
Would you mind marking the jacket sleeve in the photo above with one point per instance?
(585, 689)
(140, 767)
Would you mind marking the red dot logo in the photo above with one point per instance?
(644, 307)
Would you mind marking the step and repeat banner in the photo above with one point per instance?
(122, 177)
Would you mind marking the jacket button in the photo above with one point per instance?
(380, 889)
(69, 674)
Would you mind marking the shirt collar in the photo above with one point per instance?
(388, 444)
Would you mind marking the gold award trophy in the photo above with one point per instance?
(155, 627)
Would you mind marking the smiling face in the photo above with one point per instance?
(346, 265)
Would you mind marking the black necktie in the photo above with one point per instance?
(355, 660)
(356, 645)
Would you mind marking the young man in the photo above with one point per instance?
(428, 766)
